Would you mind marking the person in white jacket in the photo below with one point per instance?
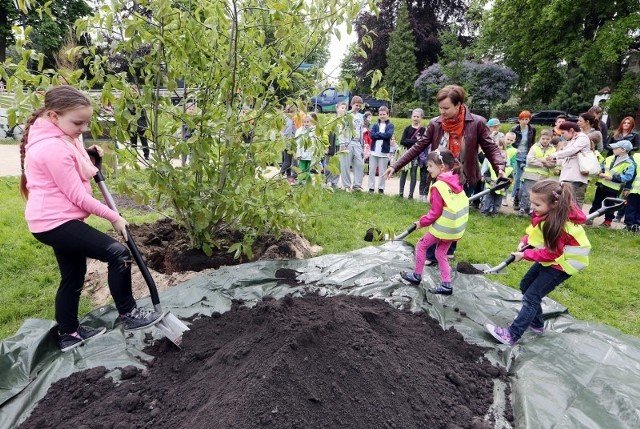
(305, 141)
(577, 141)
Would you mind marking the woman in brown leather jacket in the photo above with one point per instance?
(461, 132)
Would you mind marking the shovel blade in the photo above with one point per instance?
(487, 269)
(172, 328)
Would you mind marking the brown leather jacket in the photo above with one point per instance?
(476, 132)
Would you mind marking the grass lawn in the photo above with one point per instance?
(606, 292)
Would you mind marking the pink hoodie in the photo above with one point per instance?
(58, 192)
(437, 203)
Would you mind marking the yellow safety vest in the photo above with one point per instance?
(453, 221)
(540, 154)
(619, 169)
(635, 185)
(511, 153)
(574, 258)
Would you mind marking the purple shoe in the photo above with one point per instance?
(500, 334)
(536, 330)
(411, 277)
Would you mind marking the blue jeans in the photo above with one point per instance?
(537, 283)
(518, 178)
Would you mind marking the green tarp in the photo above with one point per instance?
(576, 375)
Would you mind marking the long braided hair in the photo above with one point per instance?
(59, 99)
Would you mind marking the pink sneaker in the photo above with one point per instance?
(536, 330)
(500, 334)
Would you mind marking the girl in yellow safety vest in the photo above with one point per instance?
(446, 220)
(558, 245)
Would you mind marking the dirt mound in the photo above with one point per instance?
(167, 249)
(168, 253)
(312, 362)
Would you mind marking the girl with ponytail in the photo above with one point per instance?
(557, 244)
(55, 181)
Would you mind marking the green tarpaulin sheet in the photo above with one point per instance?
(577, 375)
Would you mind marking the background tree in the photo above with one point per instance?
(426, 17)
(547, 43)
(401, 68)
(625, 100)
(50, 25)
(487, 84)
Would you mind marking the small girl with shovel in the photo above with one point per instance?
(558, 245)
(447, 219)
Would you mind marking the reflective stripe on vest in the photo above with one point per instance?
(453, 221)
(574, 258)
(635, 185)
(619, 169)
(540, 154)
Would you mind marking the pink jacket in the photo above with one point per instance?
(435, 199)
(58, 192)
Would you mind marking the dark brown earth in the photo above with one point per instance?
(312, 362)
(166, 247)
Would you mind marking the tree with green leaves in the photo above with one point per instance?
(401, 69)
(50, 23)
(546, 42)
(231, 56)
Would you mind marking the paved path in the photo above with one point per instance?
(9, 160)
(10, 166)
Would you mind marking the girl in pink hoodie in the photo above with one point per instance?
(447, 219)
(55, 181)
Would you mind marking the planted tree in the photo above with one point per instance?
(235, 58)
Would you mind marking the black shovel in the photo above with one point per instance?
(372, 233)
(169, 325)
(467, 268)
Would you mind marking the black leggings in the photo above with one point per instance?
(73, 242)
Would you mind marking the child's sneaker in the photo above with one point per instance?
(443, 289)
(536, 329)
(411, 277)
(74, 339)
(140, 318)
(500, 334)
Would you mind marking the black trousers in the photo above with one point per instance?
(603, 192)
(73, 242)
(139, 132)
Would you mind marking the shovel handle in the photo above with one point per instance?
(407, 232)
(135, 252)
(504, 263)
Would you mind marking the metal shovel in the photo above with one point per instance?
(372, 233)
(170, 326)
(466, 268)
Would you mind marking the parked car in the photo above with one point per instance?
(545, 117)
(326, 101)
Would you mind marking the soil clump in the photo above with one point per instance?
(310, 362)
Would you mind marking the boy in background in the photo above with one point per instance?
(354, 150)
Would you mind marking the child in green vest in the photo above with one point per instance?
(535, 168)
(446, 220)
(493, 200)
(557, 244)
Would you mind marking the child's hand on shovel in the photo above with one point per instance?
(417, 224)
(518, 256)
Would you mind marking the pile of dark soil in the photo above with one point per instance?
(312, 362)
